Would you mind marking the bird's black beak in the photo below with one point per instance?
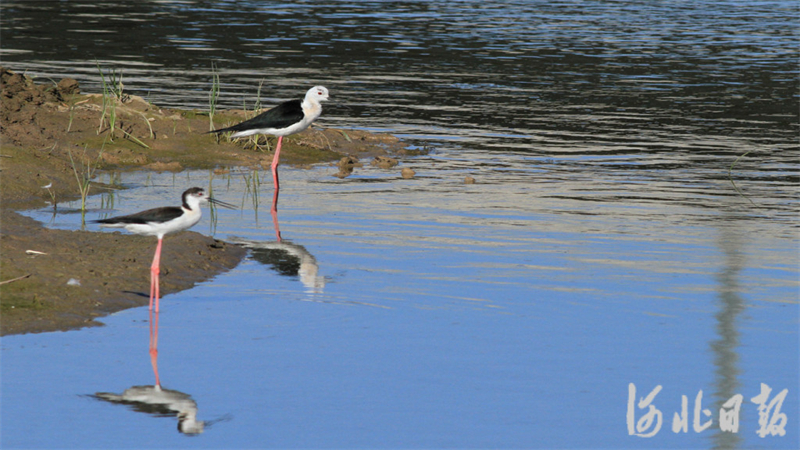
(221, 203)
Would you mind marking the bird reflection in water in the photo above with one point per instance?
(287, 259)
(158, 401)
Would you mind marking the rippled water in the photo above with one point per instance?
(604, 243)
(667, 94)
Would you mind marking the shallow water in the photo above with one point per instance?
(403, 313)
(603, 244)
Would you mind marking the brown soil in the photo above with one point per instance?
(42, 124)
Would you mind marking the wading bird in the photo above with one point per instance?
(160, 221)
(287, 118)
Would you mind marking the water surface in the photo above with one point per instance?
(604, 243)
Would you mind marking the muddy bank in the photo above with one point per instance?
(80, 275)
(44, 122)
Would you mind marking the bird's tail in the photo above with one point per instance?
(238, 131)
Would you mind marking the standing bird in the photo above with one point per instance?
(160, 221)
(287, 118)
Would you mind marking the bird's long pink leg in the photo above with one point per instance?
(154, 345)
(275, 161)
(154, 271)
(274, 213)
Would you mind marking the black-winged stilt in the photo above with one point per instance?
(160, 221)
(287, 118)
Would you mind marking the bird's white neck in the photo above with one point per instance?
(311, 108)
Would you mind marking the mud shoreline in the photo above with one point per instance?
(42, 124)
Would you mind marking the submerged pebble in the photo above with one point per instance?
(346, 166)
(384, 162)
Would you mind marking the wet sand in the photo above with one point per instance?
(42, 122)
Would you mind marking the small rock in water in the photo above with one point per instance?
(346, 166)
(407, 173)
(469, 180)
(384, 162)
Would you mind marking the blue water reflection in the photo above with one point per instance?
(376, 322)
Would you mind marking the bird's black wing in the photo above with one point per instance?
(281, 116)
(151, 215)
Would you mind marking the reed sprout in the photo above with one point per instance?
(112, 94)
(212, 209)
(52, 196)
(150, 127)
(71, 111)
(84, 174)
